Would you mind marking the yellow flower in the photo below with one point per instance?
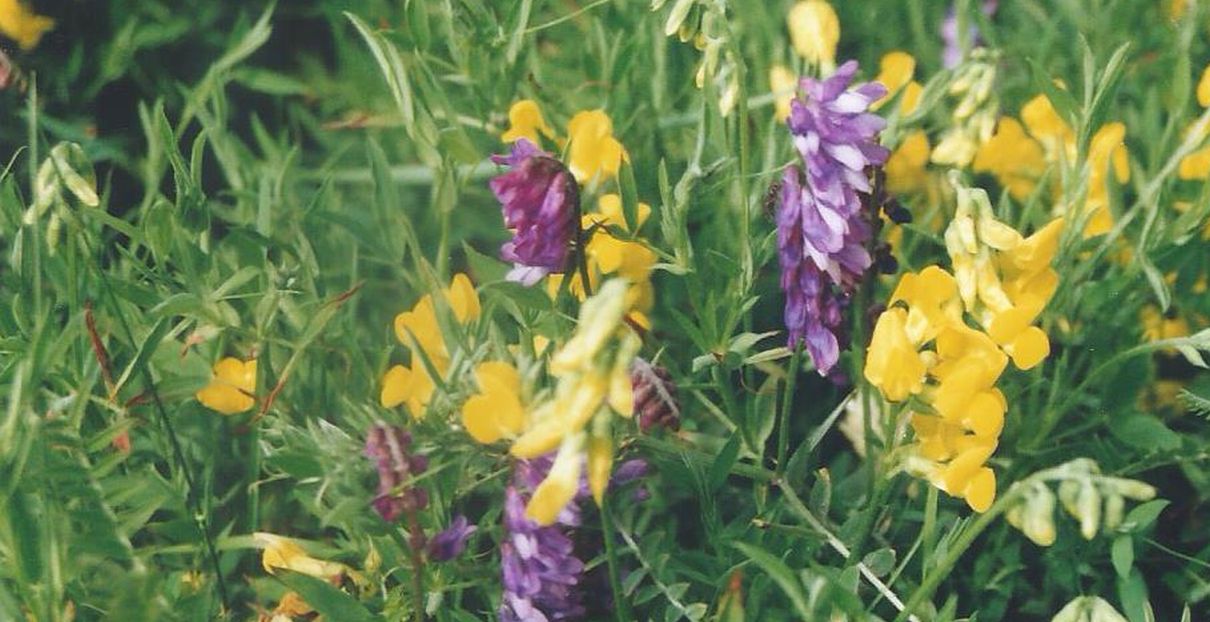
(525, 121)
(1196, 165)
(1107, 150)
(814, 32)
(907, 168)
(22, 25)
(1013, 157)
(560, 485)
(1157, 326)
(1045, 124)
(608, 255)
(231, 389)
(282, 552)
(496, 411)
(594, 150)
(419, 330)
(892, 362)
(895, 71)
(1203, 88)
(784, 84)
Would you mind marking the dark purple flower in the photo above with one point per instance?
(388, 446)
(450, 542)
(541, 202)
(822, 228)
(655, 399)
(952, 54)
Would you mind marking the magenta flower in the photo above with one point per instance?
(541, 203)
(822, 228)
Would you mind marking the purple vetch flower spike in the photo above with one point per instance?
(822, 228)
(540, 571)
(451, 541)
(389, 448)
(951, 55)
(540, 200)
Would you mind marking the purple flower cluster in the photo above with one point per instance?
(541, 573)
(541, 201)
(451, 541)
(389, 448)
(952, 54)
(822, 230)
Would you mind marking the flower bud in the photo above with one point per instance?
(655, 396)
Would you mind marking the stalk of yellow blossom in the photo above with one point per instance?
(593, 386)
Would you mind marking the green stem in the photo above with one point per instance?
(928, 532)
(621, 608)
(787, 404)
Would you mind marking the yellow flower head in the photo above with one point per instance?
(414, 386)
(594, 150)
(285, 553)
(525, 121)
(22, 25)
(814, 32)
(496, 411)
(232, 388)
(892, 361)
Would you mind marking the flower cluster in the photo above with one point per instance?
(924, 348)
(420, 331)
(389, 447)
(973, 119)
(822, 230)
(1019, 153)
(540, 195)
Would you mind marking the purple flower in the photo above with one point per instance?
(952, 54)
(541, 201)
(388, 447)
(450, 542)
(822, 230)
(539, 568)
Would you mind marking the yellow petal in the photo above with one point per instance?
(600, 461)
(237, 373)
(396, 386)
(784, 84)
(593, 150)
(814, 31)
(981, 490)
(1030, 348)
(895, 71)
(960, 471)
(498, 377)
(621, 393)
(1203, 88)
(525, 121)
(479, 418)
(557, 490)
(463, 299)
(986, 415)
(224, 398)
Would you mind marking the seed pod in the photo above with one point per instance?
(655, 396)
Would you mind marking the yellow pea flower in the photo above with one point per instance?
(895, 71)
(784, 85)
(892, 362)
(814, 32)
(231, 389)
(19, 23)
(930, 296)
(496, 411)
(1013, 157)
(907, 167)
(414, 386)
(560, 485)
(464, 301)
(1196, 165)
(525, 121)
(279, 552)
(594, 150)
(1045, 124)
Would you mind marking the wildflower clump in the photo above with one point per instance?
(419, 330)
(946, 338)
(593, 375)
(822, 228)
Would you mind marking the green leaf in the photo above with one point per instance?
(1146, 432)
(333, 603)
(1142, 516)
(780, 573)
(880, 562)
(1122, 554)
(721, 467)
(630, 197)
